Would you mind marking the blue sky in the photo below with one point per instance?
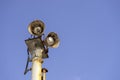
(89, 31)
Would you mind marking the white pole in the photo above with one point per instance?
(44, 71)
(36, 68)
(44, 75)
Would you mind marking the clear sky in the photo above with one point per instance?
(89, 31)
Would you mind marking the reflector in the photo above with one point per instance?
(36, 28)
(52, 40)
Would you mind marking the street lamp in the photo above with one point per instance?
(38, 48)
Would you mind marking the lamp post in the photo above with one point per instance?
(38, 49)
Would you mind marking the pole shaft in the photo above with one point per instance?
(44, 75)
(36, 69)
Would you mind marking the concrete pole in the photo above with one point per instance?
(36, 68)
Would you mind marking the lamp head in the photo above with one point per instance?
(52, 40)
(36, 28)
